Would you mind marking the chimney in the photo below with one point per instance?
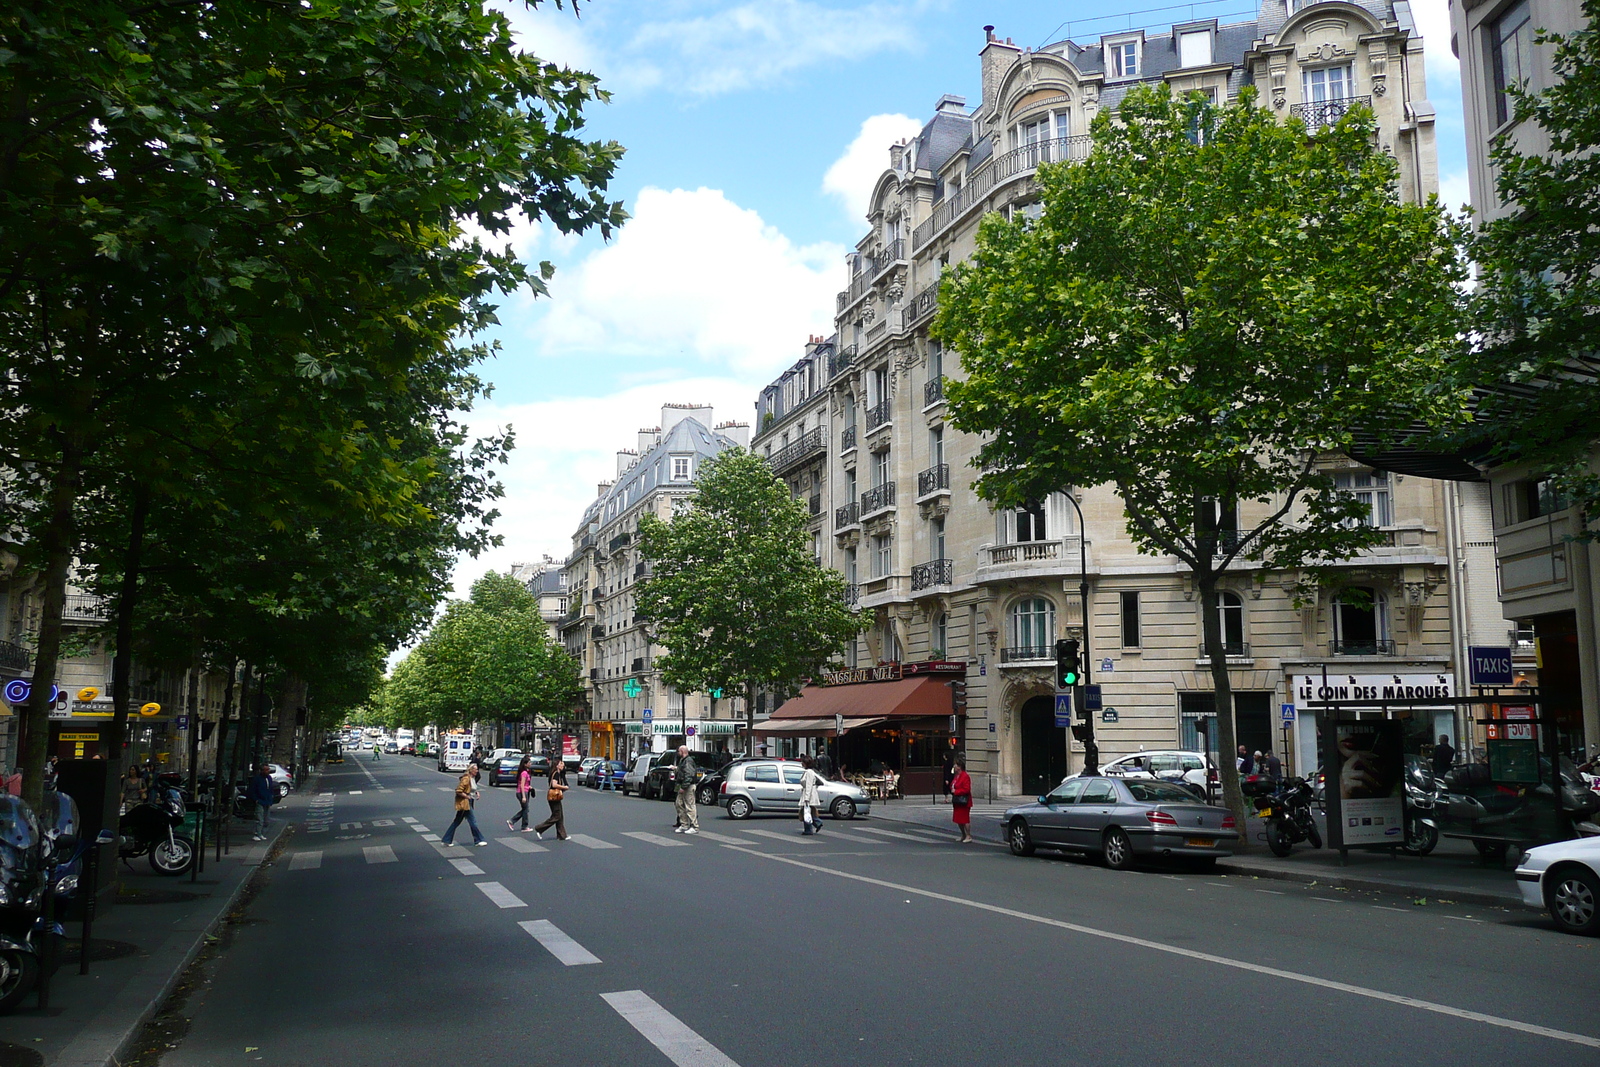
(626, 457)
(995, 59)
(988, 33)
(649, 437)
(672, 414)
(600, 490)
(897, 152)
(738, 432)
(950, 104)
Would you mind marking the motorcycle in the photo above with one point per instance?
(1285, 805)
(1422, 795)
(149, 829)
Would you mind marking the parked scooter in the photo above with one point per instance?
(1285, 805)
(1423, 794)
(149, 829)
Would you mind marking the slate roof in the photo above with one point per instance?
(687, 437)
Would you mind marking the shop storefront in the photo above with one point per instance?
(602, 739)
(662, 735)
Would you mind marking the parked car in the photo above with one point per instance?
(710, 787)
(583, 766)
(1564, 879)
(282, 778)
(1169, 765)
(768, 786)
(638, 774)
(616, 770)
(664, 774)
(504, 769)
(1123, 820)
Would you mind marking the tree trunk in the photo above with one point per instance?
(122, 659)
(291, 698)
(1227, 739)
(220, 785)
(749, 719)
(57, 541)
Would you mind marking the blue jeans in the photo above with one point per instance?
(472, 821)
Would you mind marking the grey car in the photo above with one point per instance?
(1123, 820)
(760, 787)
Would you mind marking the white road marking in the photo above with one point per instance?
(408, 818)
(1274, 892)
(591, 842)
(654, 839)
(254, 857)
(1224, 885)
(1329, 900)
(521, 844)
(895, 833)
(324, 794)
(382, 790)
(383, 822)
(415, 789)
(1463, 919)
(355, 792)
(429, 837)
(419, 828)
(305, 861)
(380, 854)
(1204, 957)
(724, 839)
(500, 895)
(661, 1028)
(466, 866)
(794, 836)
(446, 789)
(349, 826)
(1385, 907)
(560, 945)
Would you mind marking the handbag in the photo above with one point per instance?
(961, 800)
(556, 792)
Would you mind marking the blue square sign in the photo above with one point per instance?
(1063, 709)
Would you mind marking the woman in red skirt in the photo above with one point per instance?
(961, 799)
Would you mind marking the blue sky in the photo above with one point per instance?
(753, 133)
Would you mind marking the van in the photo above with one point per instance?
(456, 752)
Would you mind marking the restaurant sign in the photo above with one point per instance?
(890, 672)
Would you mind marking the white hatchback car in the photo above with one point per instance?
(1564, 879)
(1170, 765)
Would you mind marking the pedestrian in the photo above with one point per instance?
(1444, 756)
(466, 793)
(961, 797)
(824, 764)
(265, 794)
(132, 788)
(688, 773)
(606, 772)
(810, 782)
(524, 794)
(1274, 767)
(1246, 766)
(558, 787)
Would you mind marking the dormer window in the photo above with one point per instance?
(1122, 59)
(680, 468)
(1194, 48)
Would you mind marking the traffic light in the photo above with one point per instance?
(1069, 664)
(958, 694)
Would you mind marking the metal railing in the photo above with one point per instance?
(811, 443)
(878, 415)
(933, 479)
(934, 572)
(842, 360)
(594, 674)
(638, 666)
(640, 570)
(1382, 646)
(848, 515)
(1002, 168)
(1327, 112)
(1230, 649)
(852, 596)
(85, 607)
(893, 252)
(618, 541)
(933, 390)
(814, 504)
(859, 286)
(13, 657)
(1227, 541)
(847, 439)
(597, 631)
(921, 306)
(1027, 654)
(877, 499)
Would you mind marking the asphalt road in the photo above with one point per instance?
(874, 942)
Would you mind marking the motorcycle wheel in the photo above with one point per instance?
(19, 973)
(1277, 840)
(1421, 839)
(1313, 834)
(174, 857)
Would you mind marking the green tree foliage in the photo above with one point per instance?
(1207, 306)
(734, 592)
(1537, 304)
(487, 658)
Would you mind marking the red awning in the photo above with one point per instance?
(907, 698)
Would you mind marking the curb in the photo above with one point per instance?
(1344, 881)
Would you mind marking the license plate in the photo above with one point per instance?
(1199, 842)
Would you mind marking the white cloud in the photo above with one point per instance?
(1453, 190)
(1444, 70)
(694, 276)
(853, 174)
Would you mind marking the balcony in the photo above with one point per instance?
(1382, 646)
(597, 632)
(893, 252)
(878, 415)
(1028, 654)
(842, 360)
(809, 444)
(1003, 168)
(1327, 112)
(849, 515)
(933, 480)
(860, 285)
(933, 391)
(641, 570)
(619, 541)
(878, 498)
(934, 572)
(1230, 650)
(13, 657)
(84, 607)
(637, 667)
(852, 596)
(847, 439)
(594, 674)
(920, 307)
(1030, 559)
(814, 505)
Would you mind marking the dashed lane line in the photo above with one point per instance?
(415, 789)
(305, 861)
(559, 944)
(501, 896)
(355, 792)
(380, 854)
(665, 1031)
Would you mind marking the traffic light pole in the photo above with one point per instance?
(1091, 751)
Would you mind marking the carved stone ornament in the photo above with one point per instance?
(1280, 77)
(1326, 52)
(848, 538)
(868, 313)
(937, 508)
(895, 292)
(882, 526)
(1023, 685)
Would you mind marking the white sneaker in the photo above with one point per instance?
(691, 830)
(538, 835)
(677, 829)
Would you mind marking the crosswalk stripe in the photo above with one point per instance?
(415, 789)
(445, 789)
(355, 792)
(665, 1031)
(894, 833)
(418, 827)
(654, 839)
(498, 893)
(521, 844)
(430, 837)
(451, 849)
(380, 854)
(382, 822)
(592, 842)
(466, 866)
(561, 946)
(724, 839)
(305, 861)
(408, 818)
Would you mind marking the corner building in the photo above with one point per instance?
(947, 579)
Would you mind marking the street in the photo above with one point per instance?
(873, 942)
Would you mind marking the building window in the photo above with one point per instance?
(1511, 56)
(1358, 624)
(850, 565)
(1371, 488)
(1328, 83)
(889, 645)
(880, 555)
(1030, 522)
(935, 359)
(1130, 620)
(880, 469)
(1122, 59)
(936, 532)
(1232, 610)
(1531, 498)
(935, 446)
(1033, 627)
(1194, 49)
(940, 639)
(680, 468)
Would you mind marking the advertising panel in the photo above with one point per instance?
(1369, 768)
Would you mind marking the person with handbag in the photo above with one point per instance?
(961, 799)
(810, 782)
(558, 788)
(466, 793)
(524, 794)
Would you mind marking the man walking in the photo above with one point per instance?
(688, 773)
(466, 793)
(265, 794)
(1444, 756)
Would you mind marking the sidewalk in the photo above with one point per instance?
(1453, 871)
(142, 943)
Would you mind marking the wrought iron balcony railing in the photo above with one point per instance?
(809, 444)
(933, 479)
(1328, 112)
(921, 306)
(597, 632)
(13, 657)
(893, 252)
(934, 572)
(1027, 654)
(852, 595)
(877, 499)
(1382, 646)
(814, 504)
(85, 607)
(842, 360)
(933, 390)
(878, 415)
(847, 439)
(1004, 167)
(848, 515)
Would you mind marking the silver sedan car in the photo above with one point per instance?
(1123, 820)
(760, 787)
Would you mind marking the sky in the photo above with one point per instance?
(754, 132)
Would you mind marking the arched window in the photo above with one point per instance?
(1033, 628)
(1232, 609)
(1360, 624)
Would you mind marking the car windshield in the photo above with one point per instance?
(1149, 791)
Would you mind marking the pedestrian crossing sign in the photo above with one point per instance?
(1063, 709)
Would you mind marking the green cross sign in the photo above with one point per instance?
(632, 687)
(716, 694)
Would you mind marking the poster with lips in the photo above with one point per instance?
(1371, 764)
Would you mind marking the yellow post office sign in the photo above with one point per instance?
(150, 709)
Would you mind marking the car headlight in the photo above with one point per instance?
(5, 895)
(1523, 861)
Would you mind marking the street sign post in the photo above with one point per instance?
(647, 716)
(1092, 698)
(1489, 665)
(1286, 711)
(1063, 709)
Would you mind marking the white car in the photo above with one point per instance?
(1564, 879)
(1171, 765)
